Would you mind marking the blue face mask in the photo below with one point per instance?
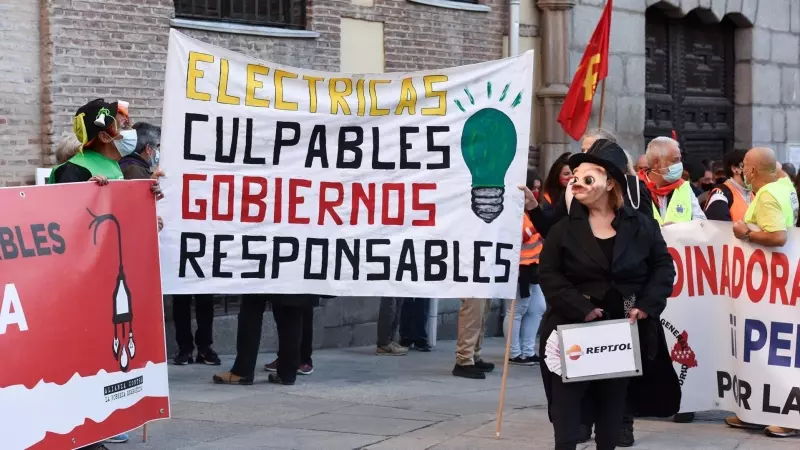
(674, 172)
(155, 160)
(127, 144)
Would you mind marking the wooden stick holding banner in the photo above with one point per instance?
(602, 103)
(505, 368)
(144, 433)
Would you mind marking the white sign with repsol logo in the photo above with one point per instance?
(598, 350)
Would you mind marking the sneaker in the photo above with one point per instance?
(272, 367)
(393, 349)
(735, 422)
(422, 346)
(275, 379)
(584, 433)
(484, 366)
(776, 431)
(683, 417)
(407, 343)
(470, 371)
(534, 359)
(305, 369)
(208, 356)
(183, 358)
(626, 438)
(118, 439)
(519, 361)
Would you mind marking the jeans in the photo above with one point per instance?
(182, 315)
(527, 317)
(388, 319)
(414, 321)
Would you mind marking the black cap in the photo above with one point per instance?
(607, 155)
(92, 118)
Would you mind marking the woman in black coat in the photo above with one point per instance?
(606, 261)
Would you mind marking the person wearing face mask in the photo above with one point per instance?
(556, 182)
(143, 160)
(673, 199)
(604, 261)
(729, 200)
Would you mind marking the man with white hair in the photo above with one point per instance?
(673, 199)
(594, 134)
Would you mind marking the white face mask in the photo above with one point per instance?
(127, 144)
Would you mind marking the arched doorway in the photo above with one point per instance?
(689, 82)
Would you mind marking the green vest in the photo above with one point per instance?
(679, 208)
(784, 192)
(95, 163)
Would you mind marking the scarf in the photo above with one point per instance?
(658, 192)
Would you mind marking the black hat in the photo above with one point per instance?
(92, 118)
(607, 155)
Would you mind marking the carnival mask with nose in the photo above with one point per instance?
(591, 183)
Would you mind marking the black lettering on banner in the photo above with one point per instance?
(792, 401)
(39, 239)
(376, 145)
(723, 383)
(408, 261)
(323, 270)
(321, 152)
(231, 157)
(444, 149)
(500, 261)
(439, 260)
(260, 257)
(353, 146)
(7, 244)
(26, 252)
(405, 147)
(477, 259)
(745, 391)
(456, 264)
(281, 142)
(384, 260)
(277, 259)
(187, 136)
(191, 257)
(248, 146)
(590, 351)
(765, 406)
(219, 255)
(54, 229)
(342, 249)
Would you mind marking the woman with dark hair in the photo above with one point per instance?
(604, 261)
(556, 182)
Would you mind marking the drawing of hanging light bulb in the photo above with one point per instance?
(488, 145)
(120, 299)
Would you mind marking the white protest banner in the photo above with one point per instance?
(733, 324)
(599, 350)
(286, 180)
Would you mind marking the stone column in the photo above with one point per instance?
(554, 21)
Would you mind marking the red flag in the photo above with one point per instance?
(577, 107)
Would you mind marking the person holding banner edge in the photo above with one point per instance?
(607, 261)
(768, 218)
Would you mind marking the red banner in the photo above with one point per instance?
(81, 315)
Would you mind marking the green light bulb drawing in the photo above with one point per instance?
(488, 145)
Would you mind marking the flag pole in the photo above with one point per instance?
(505, 369)
(602, 103)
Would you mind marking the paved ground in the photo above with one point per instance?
(356, 400)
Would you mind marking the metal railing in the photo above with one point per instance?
(272, 13)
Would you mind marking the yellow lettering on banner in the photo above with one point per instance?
(408, 98)
(280, 103)
(430, 93)
(362, 102)
(253, 84)
(222, 96)
(373, 97)
(193, 74)
(338, 97)
(312, 91)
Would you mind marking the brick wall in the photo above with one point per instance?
(20, 108)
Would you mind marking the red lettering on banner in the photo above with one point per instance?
(430, 208)
(689, 271)
(367, 199)
(796, 293)
(400, 188)
(737, 271)
(757, 293)
(329, 206)
(678, 286)
(296, 199)
(186, 214)
(778, 285)
(219, 180)
(249, 198)
(706, 271)
(725, 281)
(278, 209)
